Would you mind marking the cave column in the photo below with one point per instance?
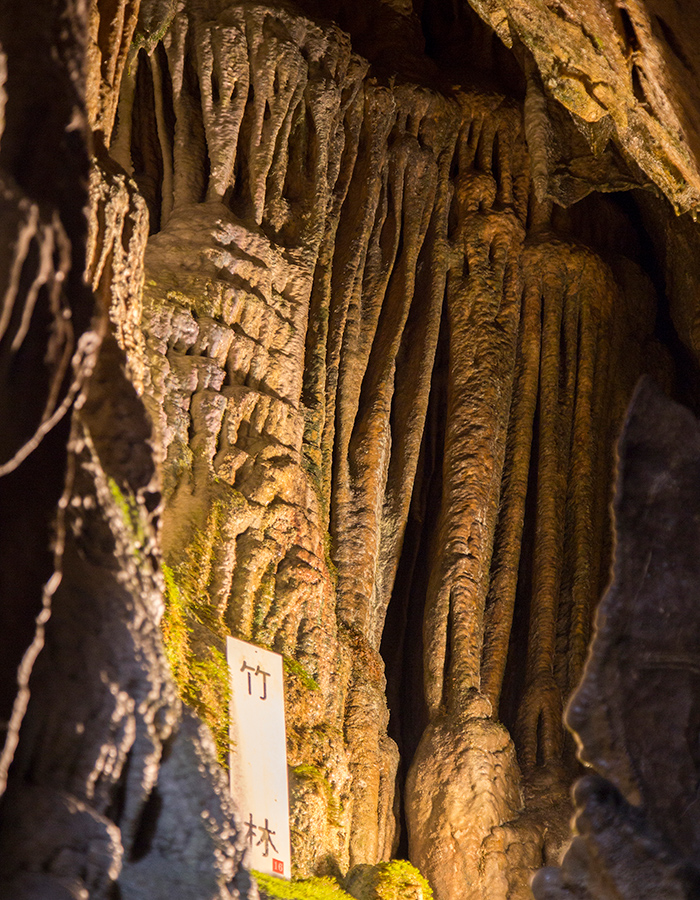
(464, 779)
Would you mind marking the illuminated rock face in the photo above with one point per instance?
(384, 373)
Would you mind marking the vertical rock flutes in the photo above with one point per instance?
(343, 383)
(110, 787)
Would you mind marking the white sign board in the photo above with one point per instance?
(259, 755)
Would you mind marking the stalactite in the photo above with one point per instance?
(409, 405)
(111, 32)
(581, 497)
(577, 299)
(541, 706)
(319, 379)
(478, 405)
(538, 132)
(225, 80)
(325, 225)
(120, 137)
(500, 604)
(365, 195)
(190, 157)
(409, 193)
(166, 154)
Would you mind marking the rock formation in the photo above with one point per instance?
(637, 818)
(335, 363)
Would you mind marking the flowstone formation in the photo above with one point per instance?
(335, 363)
(358, 314)
(637, 820)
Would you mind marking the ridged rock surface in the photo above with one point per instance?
(111, 788)
(637, 829)
(335, 363)
(336, 261)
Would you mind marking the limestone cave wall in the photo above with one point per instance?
(335, 362)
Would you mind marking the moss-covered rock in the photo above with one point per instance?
(394, 880)
(272, 888)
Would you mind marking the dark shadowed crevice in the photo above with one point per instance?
(629, 30)
(239, 197)
(462, 45)
(514, 676)
(146, 826)
(402, 638)
(145, 148)
(686, 376)
(39, 42)
(115, 810)
(169, 118)
(626, 225)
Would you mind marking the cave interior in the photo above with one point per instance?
(361, 296)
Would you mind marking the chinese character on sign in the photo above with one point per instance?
(266, 837)
(259, 755)
(265, 676)
(250, 830)
(256, 672)
(250, 669)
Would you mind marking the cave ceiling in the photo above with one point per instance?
(362, 294)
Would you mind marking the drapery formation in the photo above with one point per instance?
(384, 377)
(331, 255)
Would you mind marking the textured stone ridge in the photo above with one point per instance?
(619, 69)
(360, 324)
(110, 788)
(335, 363)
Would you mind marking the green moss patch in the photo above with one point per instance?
(193, 634)
(394, 880)
(293, 667)
(315, 776)
(131, 514)
(176, 633)
(306, 889)
(209, 692)
(148, 34)
(202, 676)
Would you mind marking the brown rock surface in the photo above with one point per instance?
(464, 784)
(280, 315)
(361, 277)
(617, 68)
